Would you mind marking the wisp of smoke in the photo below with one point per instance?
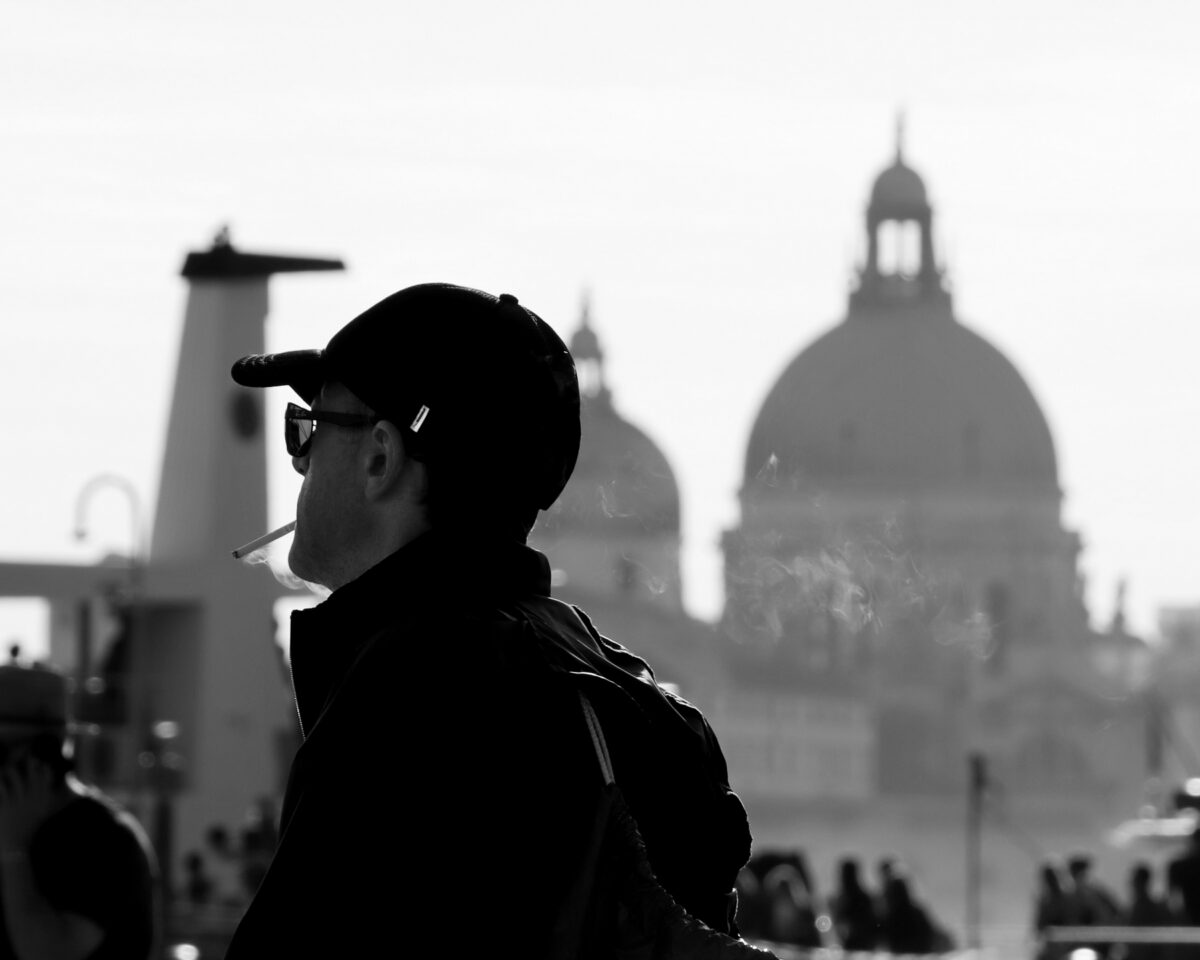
(768, 473)
(869, 582)
(280, 571)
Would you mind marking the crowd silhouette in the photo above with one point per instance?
(1069, 896)
(779, 902)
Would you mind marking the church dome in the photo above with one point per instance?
(622, 482)
(899, 187)
(900, 397)
(585, 345)
(902, 402)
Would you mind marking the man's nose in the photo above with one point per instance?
(300, 464)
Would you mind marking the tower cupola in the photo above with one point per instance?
(589, 357)
(900, 257)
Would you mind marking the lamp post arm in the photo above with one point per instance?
(84, 499)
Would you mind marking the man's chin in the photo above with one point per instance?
(302, 567)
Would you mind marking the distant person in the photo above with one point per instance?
(1144, 910)
(853, 910)
(752, 910)
(77, 875)
(198, 886)
(227, 870)
(1183, 882)
(443, 695)
(792, 912)
(1091, 904)
(787, 887)
(1053, 907)
(906, 926)
(886, 869)
(259, 838)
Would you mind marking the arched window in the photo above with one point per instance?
(590, 372)
(900, 248)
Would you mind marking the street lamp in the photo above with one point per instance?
(137, 711)
(152, 759)
(84, 499)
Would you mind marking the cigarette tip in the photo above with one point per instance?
(262, 541)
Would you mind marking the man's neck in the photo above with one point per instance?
(379, 550)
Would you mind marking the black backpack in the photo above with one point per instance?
(616, 908)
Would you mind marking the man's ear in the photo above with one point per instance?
(386, 459)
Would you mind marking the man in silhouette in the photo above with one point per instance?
(1183, 882)
(77, 877)
(1089, 902)
(445, 790)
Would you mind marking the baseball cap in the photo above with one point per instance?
(469, 376)
(32, 700)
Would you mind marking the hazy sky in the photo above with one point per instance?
(701, 168)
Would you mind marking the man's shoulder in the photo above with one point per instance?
(450, 626)
(453, 648)
(89, 810)
(101, 820)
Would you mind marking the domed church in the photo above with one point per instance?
(613, 536)
(901, 590)
(615, 528)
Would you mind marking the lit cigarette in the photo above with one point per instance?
(263, 540)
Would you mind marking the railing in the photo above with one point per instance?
(786, 951)
(1089, 935)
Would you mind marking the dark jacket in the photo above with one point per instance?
(444, 790)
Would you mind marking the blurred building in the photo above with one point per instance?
(1179, 628)
(901, 589)
(181, 692)
(1175, 742)
(613, 537)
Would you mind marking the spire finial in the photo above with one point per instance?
(585, 309)
(900, 135)
(1119, 620)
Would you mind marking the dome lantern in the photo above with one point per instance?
(900, 260)
(589, 357)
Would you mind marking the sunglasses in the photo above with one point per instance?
(299, 424)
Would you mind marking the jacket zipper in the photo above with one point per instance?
(299, 719)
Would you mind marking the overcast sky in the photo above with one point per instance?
(701, 168)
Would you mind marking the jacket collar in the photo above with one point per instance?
(424, 573)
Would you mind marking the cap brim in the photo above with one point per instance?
(302, 370)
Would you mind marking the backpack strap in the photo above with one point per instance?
(593, 723)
